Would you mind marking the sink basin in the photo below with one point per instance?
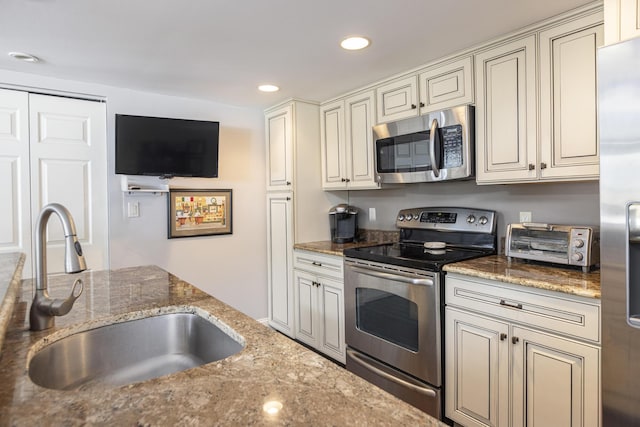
(131, 351)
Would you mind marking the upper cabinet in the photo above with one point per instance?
(347, 143)
(506, 128)
(545, 134)
(446, 85)
(279, 131)
(437, 87)
(623, 20)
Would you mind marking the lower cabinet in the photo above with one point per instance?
(319, 303)
(504, 368)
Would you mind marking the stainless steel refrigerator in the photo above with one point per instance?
(619, 112)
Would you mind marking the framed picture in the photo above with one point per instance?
(199, 213)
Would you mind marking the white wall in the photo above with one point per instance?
(557, 203)
(230, 267)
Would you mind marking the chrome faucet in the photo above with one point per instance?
(44, 308)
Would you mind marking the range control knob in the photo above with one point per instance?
(577, 256)
(401, 217)
(483, 220)
(578, 243)
(471, 219)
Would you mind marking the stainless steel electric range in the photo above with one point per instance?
(394, 303)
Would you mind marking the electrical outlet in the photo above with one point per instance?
(133, 209)
(372, 214)
(526, 217)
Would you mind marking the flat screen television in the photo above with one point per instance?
(166, 147)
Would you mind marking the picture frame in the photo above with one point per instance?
(194, 213)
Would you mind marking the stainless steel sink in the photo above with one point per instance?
(132, 351)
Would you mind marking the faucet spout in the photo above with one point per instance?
(44, 308)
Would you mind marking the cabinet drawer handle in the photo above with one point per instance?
(317, 264)
(515, 340)
(506, 304)
(503, 336)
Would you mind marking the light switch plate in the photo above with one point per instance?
(526, 217)
(372, 214)
(133, 209)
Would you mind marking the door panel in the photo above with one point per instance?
(15, 227)
(306, 295)
(68, 166)
(332, 313)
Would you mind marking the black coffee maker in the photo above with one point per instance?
(343, 220)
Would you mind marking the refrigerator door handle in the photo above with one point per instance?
(633, 264)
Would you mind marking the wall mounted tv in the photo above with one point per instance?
(166, 147)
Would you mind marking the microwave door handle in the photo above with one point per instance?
(435, 167)
(632, 264)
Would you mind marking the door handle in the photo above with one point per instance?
(506, 304)
(362, 362)
(393, 276)
(435, 167)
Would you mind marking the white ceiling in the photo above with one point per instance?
(221, 50)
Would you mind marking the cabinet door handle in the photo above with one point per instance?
(532, 167)
(422, 104)
(347, 180)
(515, 340)
(543, 165)
(506, 304)
(414, 106)
(503, 336)
(343, 179)
(288, 198)
(288, 182)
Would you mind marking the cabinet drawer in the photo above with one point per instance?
(321, 264)
(556, 312)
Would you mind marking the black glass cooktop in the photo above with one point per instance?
(415, 255)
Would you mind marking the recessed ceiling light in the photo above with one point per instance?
(268, 88)
(27, 57)
(355, 43)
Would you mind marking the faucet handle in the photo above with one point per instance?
(60, 307)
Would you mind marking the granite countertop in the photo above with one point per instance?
(11, 265)
(519, 272)
(232, 391)
(365, 238)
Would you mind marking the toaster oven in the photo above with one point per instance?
(557, 244)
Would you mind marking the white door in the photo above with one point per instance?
(332, 147)
(306, 311)
(360, 119)
(68, 166)
(280, 149)
(331, 311)
(15, 214)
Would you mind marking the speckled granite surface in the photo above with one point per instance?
(365, 238)
(11, 265)
(519, 272)
(312, 390)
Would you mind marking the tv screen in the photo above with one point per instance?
(166, 147)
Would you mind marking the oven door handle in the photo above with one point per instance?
(360, 360)
(394, 276)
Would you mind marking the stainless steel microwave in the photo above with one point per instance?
(437, 146)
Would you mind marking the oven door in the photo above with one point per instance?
(393, 315)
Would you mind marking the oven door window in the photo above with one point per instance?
(387, 316)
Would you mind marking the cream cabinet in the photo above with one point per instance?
(622, 20)
(506, 112)
(347, 147)
(397, 99)
(294, 191)
(446, 85)
(517, 356)
(319, 303)
(536, 112)
(439, 86)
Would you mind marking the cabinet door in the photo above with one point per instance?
(333, 152)
(360, 147)
(476, 369)
(623, 20)
(506, 140)
(15, 211)
(397, 100)
(569, 147)
(279, 262)
(447, 85)
(331, 313)
(305, 306)
(556, 381)
(279, 133)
